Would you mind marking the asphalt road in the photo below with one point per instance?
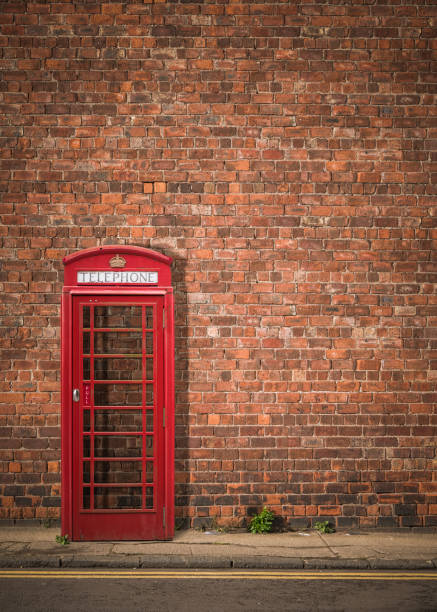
(216, 590)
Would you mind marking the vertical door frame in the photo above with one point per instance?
(67, 393)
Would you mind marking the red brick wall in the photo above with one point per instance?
(285, 154)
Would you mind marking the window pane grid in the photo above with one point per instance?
(112, 441)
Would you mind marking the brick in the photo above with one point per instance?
(301, 227)
(159, 187)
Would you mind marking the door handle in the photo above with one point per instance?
(76, 395)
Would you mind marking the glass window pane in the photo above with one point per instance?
(149, 317)
(149, 343)
(117, 395)
(149, 395)
(86, 343)
(86, 446)
(117, 316)
(86, 316)
(149, 471)
(149, 446)
(149, 420)
(86, 471)
(118, 420)
(115, 472)
(118, 368)
(117, 498)
(118, 343)
(86, 369)
(86, 420)
(149, 368)
(118, 446)
(149, 497)
(86, 498)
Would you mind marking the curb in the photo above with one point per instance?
(209, 562)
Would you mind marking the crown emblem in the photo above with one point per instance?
(117, 262)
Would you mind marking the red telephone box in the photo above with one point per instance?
(117, 395)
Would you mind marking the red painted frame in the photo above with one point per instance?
(137, 259)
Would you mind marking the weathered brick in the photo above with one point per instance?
(300, 221)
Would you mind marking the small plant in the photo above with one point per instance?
(324, 527)
(62, 539)
(216, 527)
(179, 524)
(262, 522)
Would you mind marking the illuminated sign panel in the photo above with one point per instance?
(119, 277)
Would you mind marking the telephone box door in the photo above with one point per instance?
(118, 419)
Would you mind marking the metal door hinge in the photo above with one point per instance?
(163, 516)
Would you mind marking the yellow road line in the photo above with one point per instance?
(217, 575)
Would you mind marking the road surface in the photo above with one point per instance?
(216, 590)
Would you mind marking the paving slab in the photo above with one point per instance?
(29, 534)
(239, 551)
(37, 547)
(268, 539)
(14, 547)
(384, 546)
(91, 548)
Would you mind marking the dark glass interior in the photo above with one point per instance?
(86, 497)
(117, 498)
(86, 317)
(117, 395)
(149, 368)
(118, 343)
(86, 420)
(118, 368)
(118, 472)
(149, 317)
(123, 316)
(149, 497)
(118, 446)
(86, 471)
(118, 420)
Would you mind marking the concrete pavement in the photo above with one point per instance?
(37, 547)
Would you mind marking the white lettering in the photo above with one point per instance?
(117, 277)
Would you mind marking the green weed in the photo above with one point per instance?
(324, 527)
(62, 539)
(262, 522)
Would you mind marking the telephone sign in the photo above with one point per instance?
(142, 277)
